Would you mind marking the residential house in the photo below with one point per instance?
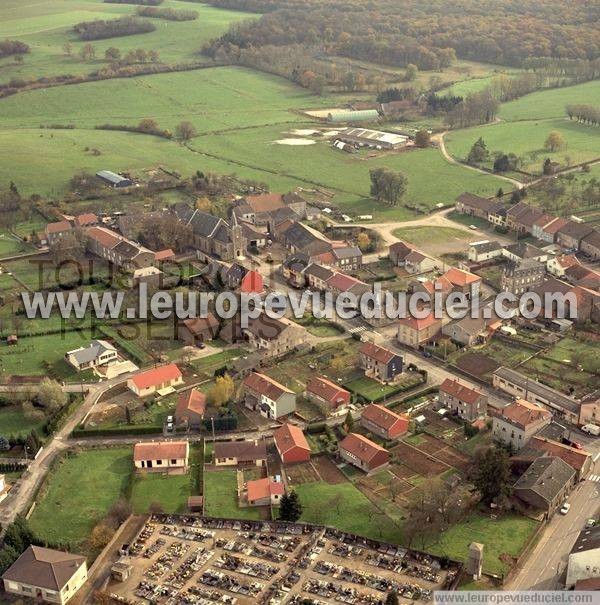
(240, 453)
(213, 236)
(522, 277)
(117, 249)
(268, 396)
(326, 394)
(162, 378)
(521, 251)
(291, 444)
(44, 574)
(557, 265)
(88, 219)
(516, 384)
(538, 227)
(164, 256)
(398, 251)
(97, 353)
(379, 363)
(416, 332)
(190, 410)
(317, 276)
(363, 453)
(470, 331)
(345, 257)
(484, 250)
(522, 216)
(256, 239)
(549, 231)
(274, 337)
(516, 423)
(584, 559)
(545, 485)
(480, 207)
(169, 457)
(267, 491)
(461, 280)
(232, 276)
(580, 460)
(590, 244)
(301, 238)
(261, 209)
(197, 330)
(590, 409)
(54, 231)
(413, 261)
(384, 423)
(294, 267)
(152, 276)
(570, 235)
(583, 276)
(467, 403)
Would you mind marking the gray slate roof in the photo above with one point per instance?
(546, 476)
(91, 352)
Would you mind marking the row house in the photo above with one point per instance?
(384, 423)
(515, 424)
(118, 250)
(416, 332)
(590, 244)
(570, 235)
(267, 396)
(467, 403)
(522, 277)
(380, 363)
(274, 337)
(491, 210)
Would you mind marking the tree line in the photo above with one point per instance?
(588, 114)
(140, 2)
(12, 47)
(113, 28)
(171, 14)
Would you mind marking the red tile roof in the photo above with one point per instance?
(361, 447)
(382, 417)
(104, 237)
(166, 254)
(521, 413)
(341, 282)
(156, 376)
(264, 488)
(58, 227)
(325, 389)
(265, 385)
(573, 457)
(289, 436)
(460, 391)
(160, 450)
(555, 225)
(458, 277)
(192, 401)
(252, 283)
(419, 324)
(83, 220)
(265, 202)
(370, 349)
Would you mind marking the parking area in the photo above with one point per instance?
(197, 561)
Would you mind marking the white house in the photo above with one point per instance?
(161, 457)
(97, 353)
(584, 559)
(161, 380)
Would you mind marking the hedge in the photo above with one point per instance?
(116, 431)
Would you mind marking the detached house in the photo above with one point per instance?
(190, 410)
(46, 574)
(467, 403)
(264, 492)
(379, 363)
(411, 260)
(240, 453)
(97, 353)
(363, 453)
(163, 378)
(198, 330)
(161, 456)
(273, 337)
(268, 396)
(54, 231)
(326, 394)
(414, 332)
(518, 422)
(291, 444)
(383, 422)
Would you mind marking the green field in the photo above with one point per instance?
(506, 535)
(526, 140)
(170, 492)
(10, 245)
(357, 514)
(45, 26)
(14, 424)
(79, 493)
(220, 496)
(422, 236)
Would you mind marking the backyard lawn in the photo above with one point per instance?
(343, 506)
(373, 390)
(220, 496)
(506, 535)
(13, 422)
(79, 492)
(171, 492)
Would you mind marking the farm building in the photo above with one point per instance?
(372, 138)
(348, 115)
(113, 179)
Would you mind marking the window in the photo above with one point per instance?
(159, 463)
(173, 461)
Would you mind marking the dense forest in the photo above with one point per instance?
(427, 33)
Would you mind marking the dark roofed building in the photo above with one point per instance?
(245, 453)
(570, 235)
(590, 244)
(583, 570)
(379, 363)
(480, 207)
(300, 238)
(545, 484)
(197, 330)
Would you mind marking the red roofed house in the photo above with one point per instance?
(190, 409)
(383, 422)
(518, 422)
(198, 329)
(156, 379)
(415, 332)
(340, 282)
(161, 456)
(580, 460)
(461, 280)
(379, 363)
(264, 492)
(363, 453)
(291, 444)
(54, 231)
(252, 283)
(464, 401)
(326, 394)
(85, 220)
(267, 396)
(557, 265)
(164, 255)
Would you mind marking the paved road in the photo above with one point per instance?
(545, 568)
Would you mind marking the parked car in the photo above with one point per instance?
(590, 523)
(565, 508)
(571, 443)
(591, 429)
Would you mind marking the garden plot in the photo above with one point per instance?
(420, 462)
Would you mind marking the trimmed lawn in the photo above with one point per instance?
(220, 496)
(370, 389)
(14, 424)
(210, 363)
(171, 492)
(357, 514)
(79, 492)
(506, 535)
(422, 236)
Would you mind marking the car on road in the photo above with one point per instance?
(590, 523)
(565, 508)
